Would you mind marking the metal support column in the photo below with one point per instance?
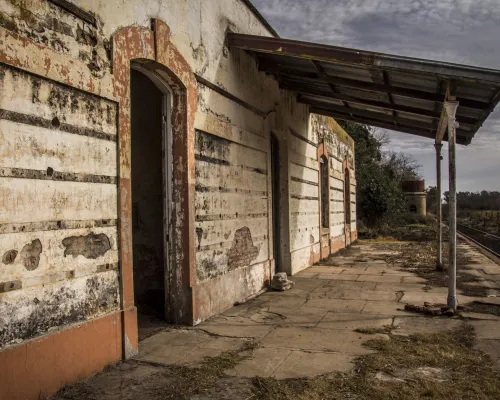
(451, 108)
(439, 257)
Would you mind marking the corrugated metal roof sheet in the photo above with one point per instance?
(392, 92)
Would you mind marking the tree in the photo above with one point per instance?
(431, 199)
(378, 175)
(483, 200)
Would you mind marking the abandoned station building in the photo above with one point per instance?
(168, 157)
(147, 165)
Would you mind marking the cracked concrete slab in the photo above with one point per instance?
(263, 362)
(301, 364)
(390, 308)
(311, 329)
(339, 305)
(421, 297)
(300, 338)
(185, 346)
(351, 322)
(298, 317)
(236, 327)
(339, 277)
(486, 329)
(490, 347)
(380, 278)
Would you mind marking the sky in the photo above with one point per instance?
(460, 31)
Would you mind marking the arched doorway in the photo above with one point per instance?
(151, 176)
(347, 206)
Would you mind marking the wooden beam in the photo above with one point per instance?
(355, 112)
(361, 58)
(372, 103)
(271, 68)
(323, 75)
(418, 132)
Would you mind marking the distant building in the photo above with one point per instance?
(415, 196)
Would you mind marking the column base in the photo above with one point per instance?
(452, 302)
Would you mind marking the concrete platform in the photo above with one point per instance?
(311, 329)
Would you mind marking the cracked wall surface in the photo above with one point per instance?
(62, 86)
(309, 241)
(58, 195)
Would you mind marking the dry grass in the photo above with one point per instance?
(482, 308)
(469, 373)
(374, 330)
(165, 383)
(420, 258)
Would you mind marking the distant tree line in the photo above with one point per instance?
(472, 201)
(379, 174)
(483, 200)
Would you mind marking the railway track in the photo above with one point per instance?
(486, 240)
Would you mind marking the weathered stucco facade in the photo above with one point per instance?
(78, 218)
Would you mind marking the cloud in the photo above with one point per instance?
(461, 31)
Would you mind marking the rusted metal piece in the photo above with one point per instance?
(439, 246)
(451, 108)
(77, 11)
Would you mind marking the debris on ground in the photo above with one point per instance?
(281, 282)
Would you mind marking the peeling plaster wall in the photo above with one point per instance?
(58, 171)
(341, 153)
(58, 195)
(307, 238)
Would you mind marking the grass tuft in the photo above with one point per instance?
(469, 373)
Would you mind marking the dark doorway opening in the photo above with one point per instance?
(150, 192)
(275, 178)
(413, 208)
(347, 206)
(325, 188)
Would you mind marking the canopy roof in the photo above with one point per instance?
(392, 92)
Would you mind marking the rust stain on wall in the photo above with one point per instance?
(30, 254)
(89, 246)
(242, 251)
